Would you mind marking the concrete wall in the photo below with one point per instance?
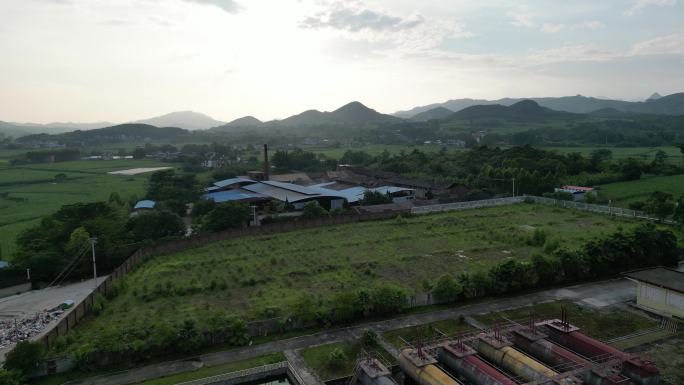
(16, 289)
(663, 301)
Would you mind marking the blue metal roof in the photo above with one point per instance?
(145, 204)
(231, 181)
(233, 195)
(390, 189)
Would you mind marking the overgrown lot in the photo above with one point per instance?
(266, 276)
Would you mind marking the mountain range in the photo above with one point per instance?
(656, 104)
(357, 114)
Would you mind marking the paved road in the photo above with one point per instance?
(28, 304)
(598, 295)
(32, 302)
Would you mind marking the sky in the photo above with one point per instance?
(123, 60)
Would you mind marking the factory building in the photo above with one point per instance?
(659, 290)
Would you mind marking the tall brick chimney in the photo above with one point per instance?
(266, 165)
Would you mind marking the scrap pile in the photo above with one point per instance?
(14, 330)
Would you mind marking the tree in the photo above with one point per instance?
(660, 204)
(387, 299)
(202, 207)
(10, 377)
(371, 197)
(370, 339)
(313, 210)
(680, 146)
(139, 153)
(169, 185)
(678, 214)
(631, 169)
(155, 225)
(447, 288)
(25, 357)
(226, 215)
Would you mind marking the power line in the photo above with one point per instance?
(70, 266)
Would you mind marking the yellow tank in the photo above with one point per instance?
(424, 375)
(515, 362)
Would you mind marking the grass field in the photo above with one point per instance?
(203, 372)
(417, 334)
(318, 358)
(33, 193)
(606, 324)
(377, 149)
(624, 193)
(264, 276)
(641, 153)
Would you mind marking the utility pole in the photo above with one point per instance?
(28, 274)
(92, 248)
(254, 215)
(513, 187)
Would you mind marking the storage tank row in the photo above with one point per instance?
(641, 372)
(546, 354)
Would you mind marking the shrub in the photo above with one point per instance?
(447, 289)
(337, 358)
(25, 357)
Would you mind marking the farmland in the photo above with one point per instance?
(30, 192)
(264, 276)
(642, 153)
(624, 193)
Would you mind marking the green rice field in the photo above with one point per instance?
(30, 192)
(624, 193)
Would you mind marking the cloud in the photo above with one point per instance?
(593, 24)
(662, 45)
(571, 53)
(355, 18)
(393, 36)
(639, 5)
(229, 6)
(551, 28)
(522, 20)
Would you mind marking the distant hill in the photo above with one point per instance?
(17, 130)
(188, 120)
(654, 96)
(244, 122)
(523, 110)
(435, 113)
(353, 113)
(667, 105)
(119, 133)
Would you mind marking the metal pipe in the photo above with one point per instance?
(640, 371)
(514, 361)
(474, 369)
(424, 375)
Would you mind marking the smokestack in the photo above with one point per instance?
(266, 165)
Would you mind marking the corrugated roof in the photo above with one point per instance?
(390, 189)
(233, 196)
(291, 192)
(577, 188)
(660, 276)
(232, 181)
(145, 204)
